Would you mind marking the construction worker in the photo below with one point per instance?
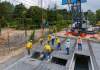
(49, 38)
(41, 41)
(29, 46)
(58, 43)
(79, 43)
(47, 50)
(67, 45)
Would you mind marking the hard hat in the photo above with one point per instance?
(68, 40)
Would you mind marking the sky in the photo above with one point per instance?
(90, 5)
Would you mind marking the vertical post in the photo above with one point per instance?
(0, 19)
(42, 29)
(80, 15)
(8, 45)
(25, 25)
(0, 26)
(25, 28)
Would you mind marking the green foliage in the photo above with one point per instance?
(98, 15)
(3, 22)
(35, 14)
(32, 35)
(6, 10)
(12, 24)
(51, 15)
(91, 17)
(62, 24)
(19, 11)
(20, 17)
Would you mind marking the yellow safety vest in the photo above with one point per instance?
(57, 40)
(49, 37)
(47, 48)
(29, 45)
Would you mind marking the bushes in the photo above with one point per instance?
(62, 24)
(32, 35)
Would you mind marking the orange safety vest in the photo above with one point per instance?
(79, 41)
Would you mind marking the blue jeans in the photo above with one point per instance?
(53, 40)
(58, 46)
(67, 49)
(79, 46)
(46, 55)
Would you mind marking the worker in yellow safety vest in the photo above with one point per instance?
(29, 46)
(47, 50)
(49, 38)
(58, 43)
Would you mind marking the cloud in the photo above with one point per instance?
(92, 5)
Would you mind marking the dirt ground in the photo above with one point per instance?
(16, 45)
(11, 43)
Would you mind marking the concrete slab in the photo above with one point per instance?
(25, 63)
(28, 63)
(85, 49)
(96, 51)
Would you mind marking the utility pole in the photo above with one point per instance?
(25, 25)
(0, 18)
(42, 27)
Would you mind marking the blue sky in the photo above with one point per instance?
(91, 4)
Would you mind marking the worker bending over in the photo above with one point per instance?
(47, 50)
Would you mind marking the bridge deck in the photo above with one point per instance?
(28, 63)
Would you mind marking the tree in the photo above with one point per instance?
(98, 15)
(51, 15)
(6, 10)
(59, 17)
(19, 11)
(36, 14)
(91, 17)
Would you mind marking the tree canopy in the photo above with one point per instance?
(33, 17)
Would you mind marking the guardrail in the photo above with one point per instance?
(92, 58)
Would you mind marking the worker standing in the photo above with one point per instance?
(47, 50)
(29, 47)
(49, 38)
(41, 41)
(58, 44)
(79, 43)
(67, 45)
